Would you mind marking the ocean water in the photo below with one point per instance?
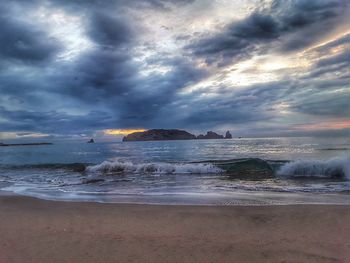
(257, 171)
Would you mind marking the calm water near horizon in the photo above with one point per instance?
(316, 170)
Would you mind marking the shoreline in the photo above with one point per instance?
(240, 199)
(35, 230)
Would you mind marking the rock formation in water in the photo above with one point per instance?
(163, 135)
(210, 135)
(159, 135)
(91, 141)
(228, 135)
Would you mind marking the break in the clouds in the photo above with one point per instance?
(258, 68)
(284, 26)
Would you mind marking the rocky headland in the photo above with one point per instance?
(173, 134)
(159, 135)
(210, 135)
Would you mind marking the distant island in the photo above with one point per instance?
(25, 144)
(173, 134)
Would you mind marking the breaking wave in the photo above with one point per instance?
(154, 168)
(248, 168)
(332, 168)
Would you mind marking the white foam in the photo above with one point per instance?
(154, 168)
(336, 167)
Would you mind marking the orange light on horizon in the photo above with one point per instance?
(122, 131)
(328, 125)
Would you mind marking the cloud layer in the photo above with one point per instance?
(80, 67)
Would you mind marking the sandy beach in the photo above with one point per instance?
(33, 230)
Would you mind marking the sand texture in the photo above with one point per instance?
(34, 230)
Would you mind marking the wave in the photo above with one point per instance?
(154, 168)
(244, 168)
(247, 168)
(336, 168)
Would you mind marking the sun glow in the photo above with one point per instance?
(329, 40)
(327, 125)
(122, 131)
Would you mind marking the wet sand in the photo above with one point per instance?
(33, 230)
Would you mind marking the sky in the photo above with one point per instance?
(93, 68)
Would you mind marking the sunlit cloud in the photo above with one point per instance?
(122, 131)
(66, 27)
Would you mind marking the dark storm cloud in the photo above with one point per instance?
(252, 104)
(107, 69)
(107, 30)
(136, 99)
(52, 121)
(97, 75)
(107, 76)
(20, 91)
(154, 94)
(104, 78)
(125, 98)
(291, 25)
(24, 43)
(238, 41)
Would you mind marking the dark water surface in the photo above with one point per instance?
(272, 171)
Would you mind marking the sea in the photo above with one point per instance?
(246, 171)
